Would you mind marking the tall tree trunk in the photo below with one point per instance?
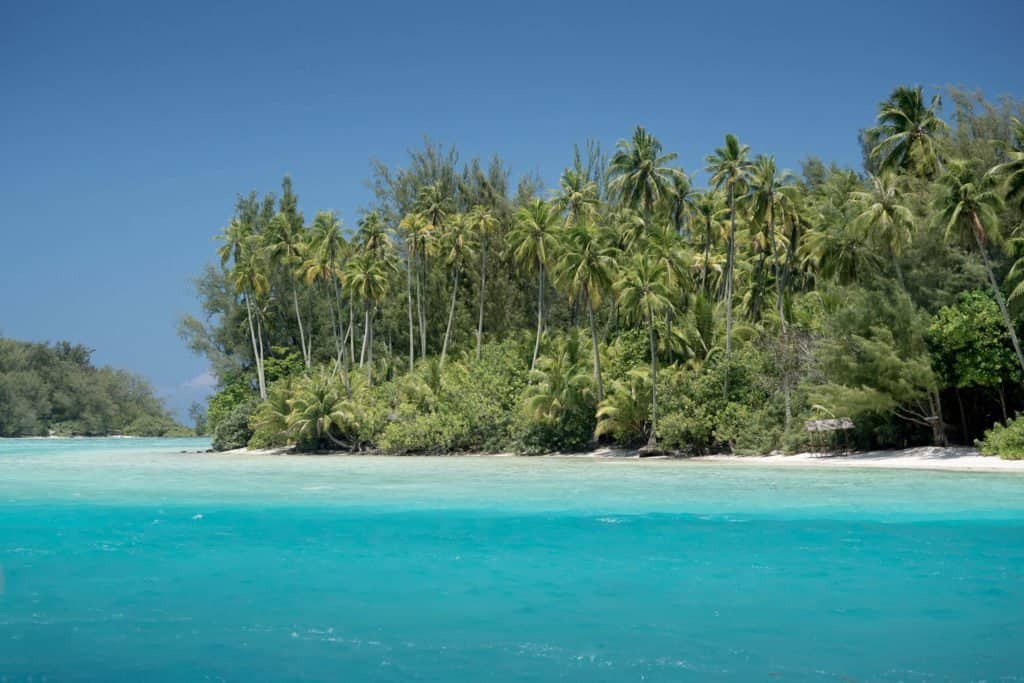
(963, 418)
(483, 287)
(451, 315)
(978, 232)
(728, 286)
(421, 276)
(352, 327)
(707, 257)
(898, 269)
(597, 354)
(369, 360)
(540, 312)
(408, 291)
(652, 442)
(256, 348)
(366, 334)
(776, 271)
(302, 333)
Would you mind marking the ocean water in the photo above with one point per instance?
(125, 559)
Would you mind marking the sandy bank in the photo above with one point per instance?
(953, 459)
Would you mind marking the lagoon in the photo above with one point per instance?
(124, 559)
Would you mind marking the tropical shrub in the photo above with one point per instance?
(233, 430)
(1005, 441)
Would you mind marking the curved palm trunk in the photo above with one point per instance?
(898, 269)
(597, 354)
(978, 232)
(366, 335)
(776, 271)
(483, 287)
(369, 334)
(352, 327)
(652, 442)
(540, 312)
(302, 333)
(707, 257)
(419, 305)
(257, 346)
(728, 285)
(408, 292)
(451, 315)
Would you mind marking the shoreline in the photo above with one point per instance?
(942, 459)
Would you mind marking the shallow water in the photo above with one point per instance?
(126, 559)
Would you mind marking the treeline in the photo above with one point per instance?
(627, 305)
(56, 390)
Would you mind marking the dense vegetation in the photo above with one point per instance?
(628, 306)
(55, 389)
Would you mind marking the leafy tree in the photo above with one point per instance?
(906, 137)
(533, 240)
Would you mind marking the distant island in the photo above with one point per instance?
(55, 390)
(627, 307)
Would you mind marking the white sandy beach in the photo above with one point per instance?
(951, 459)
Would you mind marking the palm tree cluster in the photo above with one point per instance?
(448, 262)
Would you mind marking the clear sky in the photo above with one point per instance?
(126, 129)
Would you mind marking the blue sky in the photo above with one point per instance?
(128, 128)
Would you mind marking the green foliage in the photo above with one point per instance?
(224, 402)
(969, 343)
(233, 430)
(1006, 442)
(767, 299)
(56, 389)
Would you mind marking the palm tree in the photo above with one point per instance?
(286, 242)
(419, 236)
(319, 410)
(249, 279)
(643, 294)
(639, 173)
(765, 190)
(1012, 172)
(707, 209)
(906, 137)
(481, 222)
(682, 202)
(533, 237)
(586, 267)
(969, 207)
(323, 264)
(885, 217)
(558, 385)
(729, 168)
(372, 236)
(456, 240)
(366, 277)
(577, 195)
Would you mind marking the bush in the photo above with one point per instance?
(233, 431)
(1006, 442)
(151, 425)
(225, 401)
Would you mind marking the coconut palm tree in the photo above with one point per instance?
(321, 412)
(323, 264)
(366, 277)
(766, 198)
(1011, 172)
(286, 243)
(682, 202)
(586, 268)
(644, 294)
(419, 234)
(577, 195)
(373, 236)
(534, 239)
(885, 217)
(906, 137)
(707, 209)
(969, 206)
(729, 169)
(481, 222)
(248, 276)
(639, 172)
(457, 246)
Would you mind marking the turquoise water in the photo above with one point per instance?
(128, 560)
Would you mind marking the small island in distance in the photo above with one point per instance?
(55, 390)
